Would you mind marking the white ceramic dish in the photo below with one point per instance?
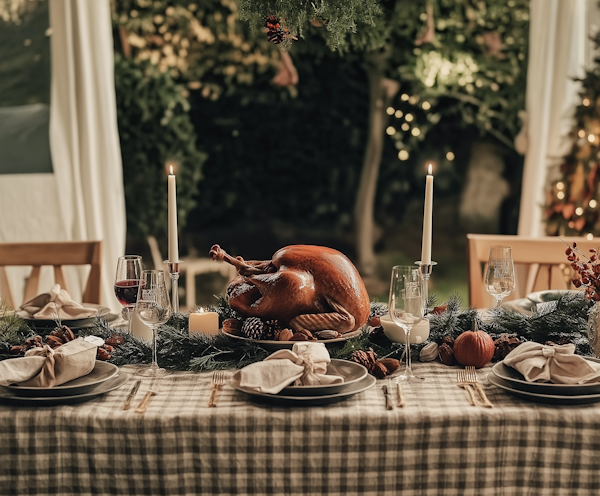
(282, 345)
(9, 397)
(396, 334)
(554, 399)
(551, 294)
(278, 399)
(352, 372)
(103, 371)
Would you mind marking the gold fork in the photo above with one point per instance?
(471, 376)
(152, 391)
(461, 377)
(218, 380)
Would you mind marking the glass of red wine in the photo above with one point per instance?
(127, 283)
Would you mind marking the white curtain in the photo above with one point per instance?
(557, 54)
(84, 139)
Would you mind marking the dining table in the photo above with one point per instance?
(437, 444)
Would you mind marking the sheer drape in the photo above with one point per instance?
(84, 139)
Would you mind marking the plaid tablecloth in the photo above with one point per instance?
(437, 445)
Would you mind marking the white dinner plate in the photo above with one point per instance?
(283, 345)
(551, 294)
(9, 397)
(358, 387)
(543, 398)
(102, 371)
(517, 381)
(352, 372)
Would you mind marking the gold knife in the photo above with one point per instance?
(131, 395)
(401, 402)
(388, 400)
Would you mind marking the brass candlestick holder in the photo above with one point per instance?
(174, 275)
(426, 269)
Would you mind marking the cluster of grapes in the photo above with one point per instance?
(588, 270)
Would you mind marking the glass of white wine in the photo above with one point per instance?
(500, 275)
(154, 310)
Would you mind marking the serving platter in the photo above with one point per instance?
(102, 371)
(352, 372)
(282, 345)
(6, 395)
(279, 399)
(555, 399)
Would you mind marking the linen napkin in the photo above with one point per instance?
(47, 367)
(45, 306)
(304, 365)
(555, 364)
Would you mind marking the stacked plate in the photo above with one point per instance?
(356, 380)
(74, 324)
(280, 345)
(511, 380)
(103, 378)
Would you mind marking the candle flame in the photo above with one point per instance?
(201, 310)
(430, 170)
(171, 169)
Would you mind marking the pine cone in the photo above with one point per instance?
(504, 345)
(272, 328)
(253, 328)
(366, 358)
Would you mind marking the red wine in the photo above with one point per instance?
(127, 291)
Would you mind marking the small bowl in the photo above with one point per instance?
(395, 333)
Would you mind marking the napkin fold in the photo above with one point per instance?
(47, 367)
(555, 364)
(46, 306)
(304, 365)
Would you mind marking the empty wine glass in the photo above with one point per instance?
(500, 275)
(127, 283)
(154, 309)
(407, 306)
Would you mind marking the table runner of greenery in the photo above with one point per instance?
(562, 320)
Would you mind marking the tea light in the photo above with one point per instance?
(206, 322)
(395, 333)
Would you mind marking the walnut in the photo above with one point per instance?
(327, 334)
(390, 363)
(284, 335)
(447, 355)
(298, 336)
(449, 340)
(232, 326)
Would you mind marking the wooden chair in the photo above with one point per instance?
(56, 255)
(544, 262)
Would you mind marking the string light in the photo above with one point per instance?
(581, 133)
(591, 138)
(450, 156)
(404, 97)
(398, 114)
(403, 155)
(426, 105)
(416, 131)
(390, 110)
(409, 117)
(589, 236)
(560, 185)
(391, 130)
(560, 195)
(586, 102)
(579, 211)
(593, 203)
(405, 127)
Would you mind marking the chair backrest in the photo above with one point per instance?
(56, 255)
(544, 262)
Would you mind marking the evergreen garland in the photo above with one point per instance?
(563, 319)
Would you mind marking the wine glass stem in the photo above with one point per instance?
(129, 319)
(154, 355)
(498, 302)
(408, 363)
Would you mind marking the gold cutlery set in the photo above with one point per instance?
(467, 379)
(388, 397)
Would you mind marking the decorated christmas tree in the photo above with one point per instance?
(572, 199)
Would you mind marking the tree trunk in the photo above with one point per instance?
(381, 92)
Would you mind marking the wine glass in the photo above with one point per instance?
(500, 275)
(154, 308)
(127, 283)
(407, 306)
